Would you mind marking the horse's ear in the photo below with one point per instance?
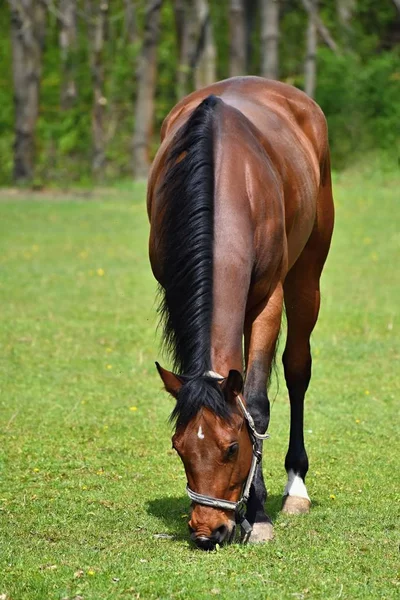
(233, 384)
(172, 382)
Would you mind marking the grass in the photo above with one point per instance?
(88, 478)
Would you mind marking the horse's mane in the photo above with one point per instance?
(186, 242)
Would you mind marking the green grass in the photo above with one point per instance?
(87, 474)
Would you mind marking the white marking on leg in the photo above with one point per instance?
(295, 486)
(200, 434)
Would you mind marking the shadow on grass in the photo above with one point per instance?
(273, 506)
(173, 512)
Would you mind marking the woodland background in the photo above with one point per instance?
(85, 84)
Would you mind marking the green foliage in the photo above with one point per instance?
(88, 479)
(358, 89)
(361, 102)
(6, 102)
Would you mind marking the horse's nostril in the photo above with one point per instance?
(220, 533)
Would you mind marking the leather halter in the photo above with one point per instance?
(239, 506)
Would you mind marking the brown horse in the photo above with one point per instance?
(241, 212)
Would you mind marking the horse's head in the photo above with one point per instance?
(214, 444)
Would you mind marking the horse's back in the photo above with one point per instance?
(289, 126)
(272, 106)
(270, 145)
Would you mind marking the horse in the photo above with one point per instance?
(241, 218)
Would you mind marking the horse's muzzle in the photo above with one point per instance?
(220, 535)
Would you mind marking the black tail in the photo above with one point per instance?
(187, 234)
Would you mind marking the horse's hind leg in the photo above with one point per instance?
(302, 300)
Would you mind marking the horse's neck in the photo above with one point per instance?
(229, 304)
(232, 266)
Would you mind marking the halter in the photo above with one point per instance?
(239, 506)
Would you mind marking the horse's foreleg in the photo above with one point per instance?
(261, 332)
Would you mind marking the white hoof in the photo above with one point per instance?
(295, 505)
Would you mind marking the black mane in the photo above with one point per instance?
(187, 234)
(186, 241)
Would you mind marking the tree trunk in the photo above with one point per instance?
(130, 21)
(205, 58)
(310, 67)
(251, 14)
(146, 80)
(321, 27)
(97, 12)
(186, 37)
(27, 34)
(345, 10)
(237, 42)
(68, 42)
(270, 38)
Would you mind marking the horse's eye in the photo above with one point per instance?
(232, 450)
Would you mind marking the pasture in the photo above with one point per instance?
(92, 502)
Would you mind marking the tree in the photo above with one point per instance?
(206, 54)
(68, 41)
(270, 38)
(146, 81)
(310, 67)
(322, 29)
(97, 13)
(28, 18)
(130, 21)
(345, 10)
(237, 38)
(251, 16)
(185, 23)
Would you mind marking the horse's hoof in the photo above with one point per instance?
(295, 505)
(262, 532)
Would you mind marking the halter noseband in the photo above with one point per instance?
(239, 506)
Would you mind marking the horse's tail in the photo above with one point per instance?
(187, 233)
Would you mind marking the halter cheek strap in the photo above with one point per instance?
(239, 506)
